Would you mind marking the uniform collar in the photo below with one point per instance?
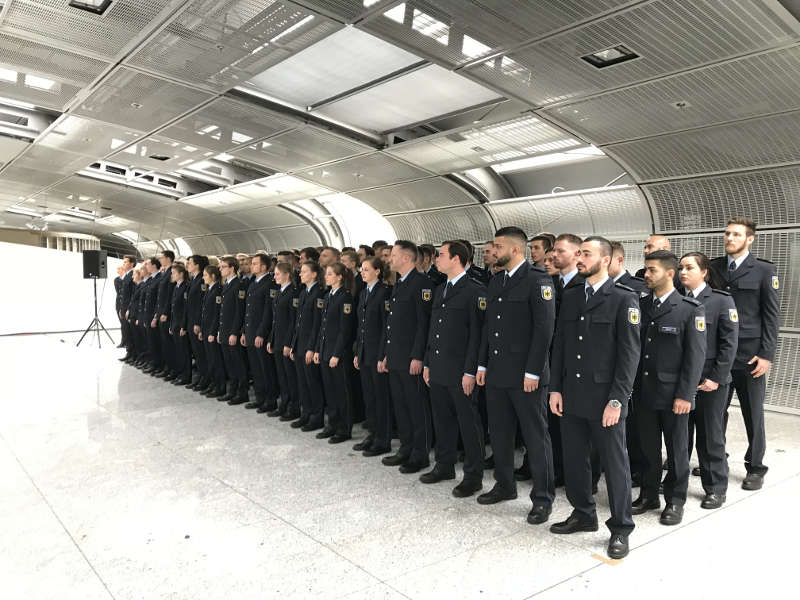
(452, 282)
(699, 290)
(565, 279)
(596, 286)
(739, 260)
(283, 287)
(515, 269)
(369, 287)
(663, 298)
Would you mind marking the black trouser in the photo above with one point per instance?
(708, 418)
(636, 457)
(357, 394)
(303, 391)
(183, 356)
(411, 412)
(154, 346)
(288, 378)
(126, 331)
(199, 352)
(234, 367)
(340, 405)
(313, 376)
(454, 411)
(751, 392)
(284, 393)
(507, 407)
(580, 437)
(257, 358)
(554, 428)
(375, 391)
(675, 429)
(216, 365)
(167, 346)
(139, 341)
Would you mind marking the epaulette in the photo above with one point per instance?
(769, 262)
(723, 292)
(538, 269)
(624, 287)
(693, 301)
(637, 278)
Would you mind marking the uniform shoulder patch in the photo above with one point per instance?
(776, 283)
(700, 323)
(387, 305)
(219, 299)
(733, 315)
(692, 301)
(348, 308)
(764, 260)
(273, 293)
(320, 302)
(242, 294)
(295, 302)
(481, 303)
(426, 294)
(547, 292)
(633, 315)
(622, 286)
(723, 292)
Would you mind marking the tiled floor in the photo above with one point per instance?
(116, 485)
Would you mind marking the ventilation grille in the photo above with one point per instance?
(769, 197)
(436, 226)
(783, 380)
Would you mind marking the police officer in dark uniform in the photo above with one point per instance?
(182, 365)
(513, 364)
(195, 265)
(595, 357)
(231, 319)
(373, 309)
(150, 320)
(306, 328)
(209, 330)
(754, 285)
(451, 362)
(280, 342)
(617, 271)
(722, 331)
(403, 350)
(270, 408)
(673, 352)
(659, 242)
(479, 275)
(126, 292)
(252, 339)
(163, 306)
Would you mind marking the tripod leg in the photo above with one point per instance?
(88, 329)
(101, 326)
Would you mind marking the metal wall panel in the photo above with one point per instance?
(363, 172)
(425, 193)
(783, 379)
(436, 226)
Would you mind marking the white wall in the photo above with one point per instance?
(44, 290)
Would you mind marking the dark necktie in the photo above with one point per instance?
(559, 285)
(656, 303)
(589, 293)
(689, 295)
(505, 278)
(448, 288)
(732, 266)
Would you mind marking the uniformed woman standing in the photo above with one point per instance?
(722, 331)
(280, 342)
(182, 374)
(209, 329)
(334, 352)
(373, 304)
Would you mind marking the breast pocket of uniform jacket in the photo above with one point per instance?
(600, 326)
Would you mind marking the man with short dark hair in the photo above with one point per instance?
(539, 245)
(309, 253)
(754, 284)
(673, 351)
(451, 361)
(254, 329)
(126, 293)
(364, 251)
(513, 365)
(231, 319)
(148, 316)
(489, 257)
(328, 255)
(163, 310)
(195, 265)
(473, 271)
(617, 271)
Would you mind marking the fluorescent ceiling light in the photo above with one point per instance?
(224, 157)
(8, 75)
(549, 159)
(94, 6)
(550, 146)
(78, 214)
(368, 3)
(610, 56)
(430, 27)
(17, 103)
(115, 143)
(240, 138)
(473, 48)
(207, 129)
(127, 235)
(40, 83)
(396, 14)
(294, 27)
(21, 210)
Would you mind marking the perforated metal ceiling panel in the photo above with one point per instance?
(87, 137)
(133, 99)
(54, 22)
(300, 148)
(69, 72)
(770, 197)
(436, 226)
(271, 217)
(222, 43)
(344, 10)
(552, 71)
(427, 93)
(425, 193)
(161, 154)
(279, 189)
(436, 28)
(519, 214)
(617, 213)
(52, 161)
(363, 172)
(750, 86)
(765, 141)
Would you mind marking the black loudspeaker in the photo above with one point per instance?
(94, 264)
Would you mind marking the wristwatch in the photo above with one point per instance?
(615, 404)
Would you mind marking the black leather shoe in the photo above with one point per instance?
(252, 405)
(170, 377)
(395, 460)
(275, 412)
(373, 451)
(438, 474)
(298, 423)
(262, 409)
(641, 505)
(539, 514)
(753, 481)
(465, 489)
(227, 397)
(496, 495)
(363, 444)
(671, 515)
(338, 438)
(325, 433)
(712, 501)
(488, 463)
(311, 426)
(413, 467)
(696, 472)
(125, 358)
(574, 524)
(523, 473)
(236, 401)
(192, 385)
(617, 546)
(290, 416)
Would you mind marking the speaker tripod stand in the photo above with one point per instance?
(96, 325)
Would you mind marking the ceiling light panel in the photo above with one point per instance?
(459, 31)
(344, 10)
(71, 71)
(103, 36)
(161, 154)
(52, 161)
(133, 99)
(342, 61)
(551, 71)
(225, 124)
(412, 98)
(300, 148)
(363, 172)
(753, 85)
(224, 43)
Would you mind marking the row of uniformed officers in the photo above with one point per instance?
(618, 366)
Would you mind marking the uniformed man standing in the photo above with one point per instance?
(252, 338)
(451, 362)
(673, 352)
(195, 265)
(595, 357)
(148, 317)
(513, 364)
(754, 285)
(231, 319)
(403, 349)
(126, 292)
(163, 310)
(617, 271)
